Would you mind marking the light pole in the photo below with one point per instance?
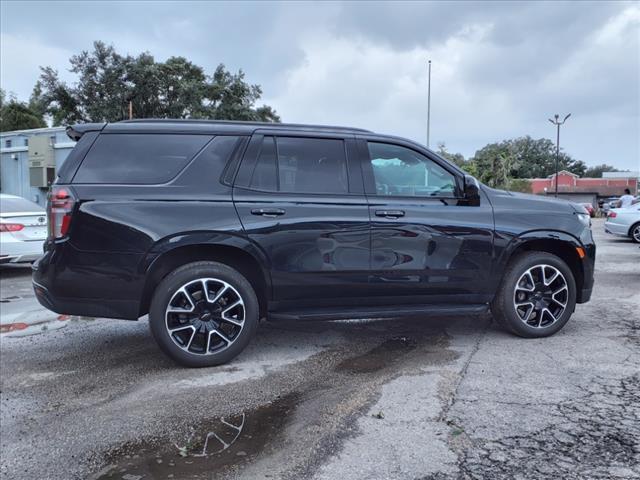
(429, 105)
(557, 123)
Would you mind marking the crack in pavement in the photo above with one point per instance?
(462, 374)
(592, 439)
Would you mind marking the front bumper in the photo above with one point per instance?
(585, 295)
(588, 263)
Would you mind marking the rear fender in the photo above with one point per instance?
(204, 245)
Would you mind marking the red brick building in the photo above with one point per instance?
(571, 186)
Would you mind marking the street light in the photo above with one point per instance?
(429, 105)
(557, 123)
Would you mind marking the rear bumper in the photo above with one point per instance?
(18, 251)
(616, 229)
(80, 306)
(25, 258)
(44, 278)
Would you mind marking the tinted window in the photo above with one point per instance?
(400, 171)
(301, 165)
(18, 204)
(312, 165)
(138, 158)
(265, 172)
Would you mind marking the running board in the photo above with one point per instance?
(392, 311)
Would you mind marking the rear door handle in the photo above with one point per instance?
(268, 212)
(390, 213)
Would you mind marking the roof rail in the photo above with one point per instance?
(247, 123)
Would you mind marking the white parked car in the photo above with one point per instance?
(624, 222)
(23, 229)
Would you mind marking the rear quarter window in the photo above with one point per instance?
(138, 158)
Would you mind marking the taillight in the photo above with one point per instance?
(59, 210)
(612, 215)
(10, 227)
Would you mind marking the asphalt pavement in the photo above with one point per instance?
(447, 398)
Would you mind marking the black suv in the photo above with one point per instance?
(210, 226)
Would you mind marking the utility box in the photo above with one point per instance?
(42, 177)
(42, 161)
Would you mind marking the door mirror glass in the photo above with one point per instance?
(471, 191)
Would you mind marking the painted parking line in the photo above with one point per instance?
(31, 323)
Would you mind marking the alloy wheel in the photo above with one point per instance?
(205, 316)
(636, 233)
(540, 296)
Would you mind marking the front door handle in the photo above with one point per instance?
(390, 213)
(268, 212)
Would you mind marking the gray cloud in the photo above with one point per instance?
(500, 68)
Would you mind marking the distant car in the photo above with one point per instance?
(610, 203)
(23, 229)
(590, 209)
(624, 222)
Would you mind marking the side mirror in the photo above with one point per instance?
(471, 191)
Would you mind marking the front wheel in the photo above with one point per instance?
(537, 295)
(203, 314)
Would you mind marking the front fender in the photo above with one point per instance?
(578, 253)
(535, 235)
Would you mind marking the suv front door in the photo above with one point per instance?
(300, 199)
(427, 243)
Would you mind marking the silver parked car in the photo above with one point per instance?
(23, 229)
(624, 222)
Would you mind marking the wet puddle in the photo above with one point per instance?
(216, 446)
(433, 351)
(379, 357)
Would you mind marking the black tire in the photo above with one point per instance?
(172, 283)
(634, 232)
(503, 306)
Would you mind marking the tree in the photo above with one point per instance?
(493, 164)
(15, 115)
(519, 185)
(176, 88)
(597, 171)
(456, 158)
(523, 157)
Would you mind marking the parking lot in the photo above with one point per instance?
(406, 399)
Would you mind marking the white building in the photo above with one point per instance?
(630, 174)
(17, 176)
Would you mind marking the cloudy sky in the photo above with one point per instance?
(499, 69)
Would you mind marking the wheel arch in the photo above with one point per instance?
(560, 244)
(233, 251)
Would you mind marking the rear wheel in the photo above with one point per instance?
(203, 314)
(537, 295)
(634, 232)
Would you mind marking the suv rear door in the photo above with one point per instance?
(300, 199)
(426, 241)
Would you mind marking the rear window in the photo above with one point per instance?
(17, 205)
(138, 158)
